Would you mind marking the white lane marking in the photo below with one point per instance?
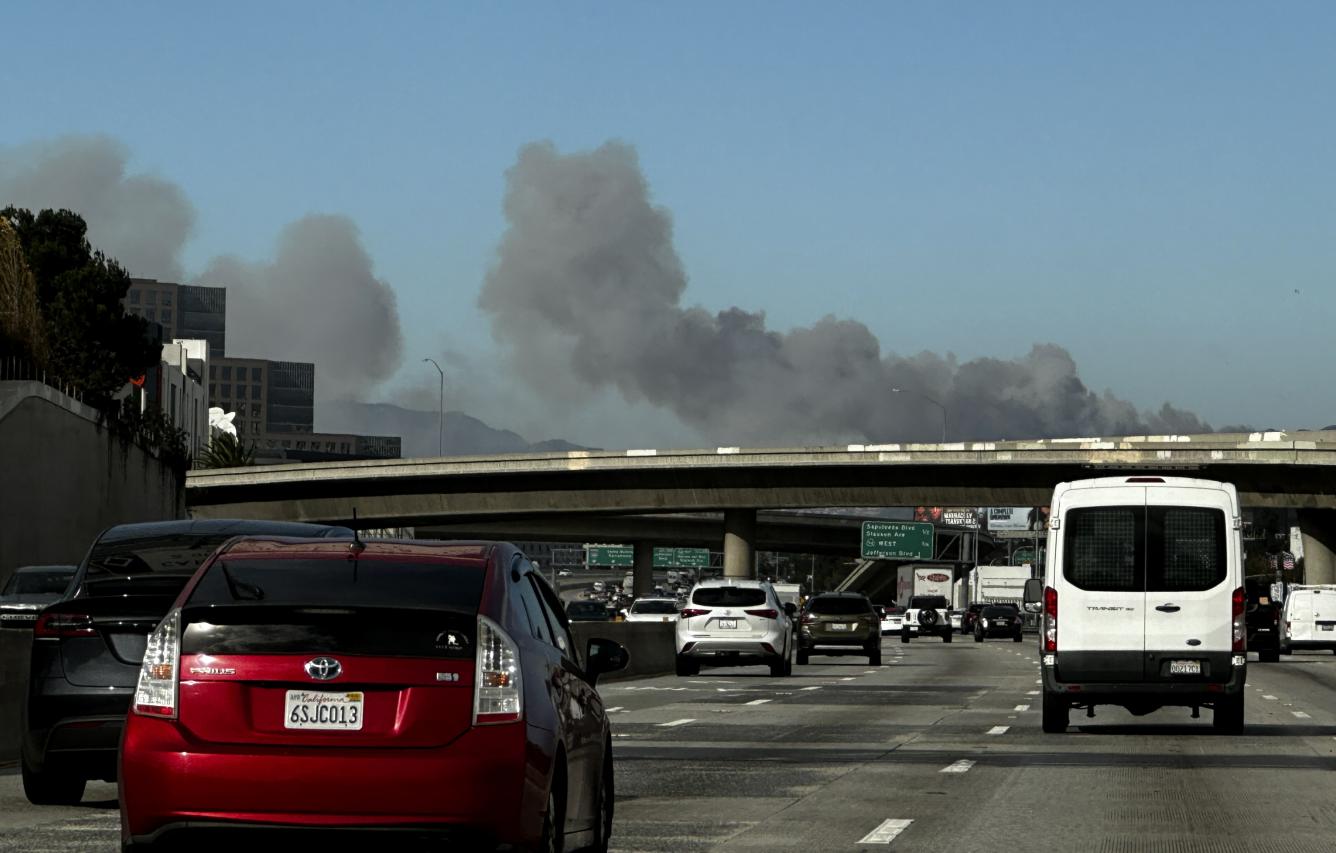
(614, 709)
(756, 702)
(677, 723)
(1032, 693)
(1272, 698)
(1301, 715)
(962, 766)
(848, 678)
(1021, 708)
(886, 831)
(1038, 681)
(998, 730)
(869, 672)
(817, 687)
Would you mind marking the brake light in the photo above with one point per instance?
(157, 691)
(498, 695)
(54, 626)
(765, 613)
(693, 611)
(1240, 602)
(1050, 619)
(808, 618)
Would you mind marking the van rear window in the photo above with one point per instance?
(1150, 549)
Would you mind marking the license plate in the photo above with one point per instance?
(839, 626)
(727, 623)
(310, 709)
(1327, 627)
(1185, 667)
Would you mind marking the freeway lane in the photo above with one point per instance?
(939, 749)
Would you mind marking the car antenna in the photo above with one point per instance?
(358, 545)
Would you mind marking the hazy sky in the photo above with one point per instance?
(1150, 186)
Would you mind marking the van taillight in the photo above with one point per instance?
(54, 626)
(1240, 602)
(1050, 619)
(155, 696)
(498, 695)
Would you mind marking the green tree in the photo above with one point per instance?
(92, 343)
(22, 332)
(226, 451)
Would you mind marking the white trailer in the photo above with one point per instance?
(919, 579)
(998, 584)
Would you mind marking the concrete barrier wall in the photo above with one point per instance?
(64, 479)
(652, 645)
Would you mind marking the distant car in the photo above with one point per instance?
(563, 573)
(892, 620)
(998, 620)
(588, 611)
(1263, 618)
(652, 610)
(735, 622)
(840, 623)
(956, 618)
(88, 646)
(30, 589)
(407, 692)
(1309, 618)
(926, 615)
(968, 617)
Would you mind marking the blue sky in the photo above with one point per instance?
(1145, 184)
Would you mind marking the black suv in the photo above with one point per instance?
(87, 648)
(1263, 619)
(998, 620)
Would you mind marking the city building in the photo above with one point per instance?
(325, 447)
(177, 388)
(267, 396)
(185, 311)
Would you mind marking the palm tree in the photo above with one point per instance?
(226, 451)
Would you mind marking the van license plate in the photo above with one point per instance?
(312, 709)
(1327, 627)
(1185, 667)
(727, 623)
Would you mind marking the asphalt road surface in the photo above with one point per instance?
(937, 750)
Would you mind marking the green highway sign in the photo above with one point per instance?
(609, 555)
(904, 540)
(681, 558)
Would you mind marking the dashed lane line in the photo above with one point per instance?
(998, 730)
(962, 766)
(815, 687)
(1301, 715)
(614, 710)
(886, 831)
(682, 722)
(1272, 698)
(756, 702)
(1021, 708)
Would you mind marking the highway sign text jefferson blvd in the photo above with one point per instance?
(905, 540)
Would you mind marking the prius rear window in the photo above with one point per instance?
(340, 581)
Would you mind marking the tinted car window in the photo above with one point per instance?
(340, 581)
(728, 596)
(928, 602)
(586, 610)
(839, 606)
(1186, 546)
(996, 612)
(654, 607)
(1102, 545)
(1155, 549)
(38, 583)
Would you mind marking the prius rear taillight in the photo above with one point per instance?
(156, 693)
(498, 694)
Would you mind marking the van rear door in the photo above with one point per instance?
(1190, 549)
(1101, 591)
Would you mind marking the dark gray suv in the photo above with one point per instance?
(87, 648)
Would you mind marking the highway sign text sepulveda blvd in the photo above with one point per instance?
(907, 540)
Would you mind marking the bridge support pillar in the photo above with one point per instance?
(739, 543)
(1319, 533)
(643, 570)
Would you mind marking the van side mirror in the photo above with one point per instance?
(604, 656)
(790, 609)
(1034, 595)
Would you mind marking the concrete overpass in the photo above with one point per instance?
(1273, 469)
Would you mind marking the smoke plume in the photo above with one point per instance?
(586, 293)
(139, 220)
(317, 300)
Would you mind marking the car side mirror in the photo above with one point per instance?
(604, 656)
(1034, 595)
(790, 609)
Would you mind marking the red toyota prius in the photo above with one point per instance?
(324, 690)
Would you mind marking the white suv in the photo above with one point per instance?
(926, 615)
(731, 622)
(1143, 599)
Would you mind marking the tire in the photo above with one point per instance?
(904, 636)
(788, 664)
(1017, 639)
(52, 788)
(1285, 650)
(551, 840)
(946, 638)
(777, 667)
(607, 801)
(927, 618)
(686, 666)
(978, 637)
(802, 657)
(1228, 715)
(1269, 656)
(1056, 713)
(874, 659)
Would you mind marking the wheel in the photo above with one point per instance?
(1285, 650)
(777, 667)
(1056, 713)
(1018, 638)
(874, 659)
(1228, 716)
(51, 788)
(1268, 656)
(687, 666)
(802, 657)
(904, 636)
(978, 637)
(788, 664)
(946, 638)
(551, 840)
(606, 802)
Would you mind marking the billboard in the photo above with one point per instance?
(948, 515)
(1017, 518)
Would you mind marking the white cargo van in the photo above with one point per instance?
(1310, 618)
(1142, 599)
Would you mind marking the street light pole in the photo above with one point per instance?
(440, 427)
(930, 400)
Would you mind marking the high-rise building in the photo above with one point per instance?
(267, 396)
(184, 311)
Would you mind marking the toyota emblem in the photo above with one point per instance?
(324, 669)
